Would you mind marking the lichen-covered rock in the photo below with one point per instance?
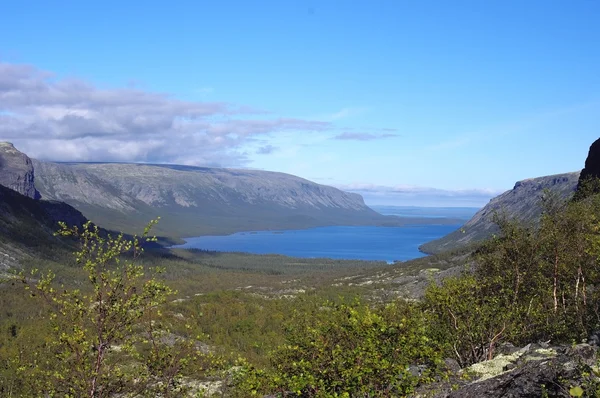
(16, 171)
(533, 371)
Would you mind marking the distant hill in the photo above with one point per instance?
(196, 200)
(521, 203)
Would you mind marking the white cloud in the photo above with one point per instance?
(68, 119)
(409, 195)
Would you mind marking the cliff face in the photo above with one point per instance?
(521, 203)
(16, 171)
(17, 174)
(592, 163)
(590, 175)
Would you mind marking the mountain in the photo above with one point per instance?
(521, 203)
(196, 200)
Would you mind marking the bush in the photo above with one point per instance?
(108, 337)
(343, 350)
(528, 284)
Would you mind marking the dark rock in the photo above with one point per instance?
(594, 338)
(451, 365)
(16, 171)
(583, 353)
(506, 349)
(533, 379)
(592, 164)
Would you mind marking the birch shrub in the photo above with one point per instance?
(108, 337)
(527, 284)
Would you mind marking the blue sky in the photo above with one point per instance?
(466, 96)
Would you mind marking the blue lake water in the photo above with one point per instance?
(363, 243)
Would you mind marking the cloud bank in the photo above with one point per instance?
(403, 195)
(349, 136)
(73, 120)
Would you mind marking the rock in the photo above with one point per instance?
(451, 365)
(594, 338)
(583, 353)
(533, 379)
(592, 163)
(532, 371)
(16, 171)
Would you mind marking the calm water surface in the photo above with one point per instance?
(362, 243)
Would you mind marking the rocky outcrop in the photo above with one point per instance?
(531, 372)
(592, 163)
(27, 224)
(522, 203)
(16, 171)
(589, 179)
(536, 370)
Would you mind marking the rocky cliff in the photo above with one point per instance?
(521, 203)
(16, 171)
(589, 179)
(27, 224)
(592, 163)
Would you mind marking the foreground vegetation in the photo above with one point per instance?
(256, 325)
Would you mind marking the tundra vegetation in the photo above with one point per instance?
(113, 326)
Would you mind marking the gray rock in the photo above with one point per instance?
(16, 171)
(531, 371)
(592, 165)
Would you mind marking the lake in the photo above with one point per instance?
(362, 243)
(353, 243)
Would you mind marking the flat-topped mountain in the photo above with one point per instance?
(521, 203)
(197, 200)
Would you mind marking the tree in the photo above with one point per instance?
(108, 338)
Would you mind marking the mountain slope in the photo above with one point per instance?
(27, 227)
(522, 203)
(195, 200)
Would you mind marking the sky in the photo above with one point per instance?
(406, 102)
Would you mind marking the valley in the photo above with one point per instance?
(240, 305)
(299, 199)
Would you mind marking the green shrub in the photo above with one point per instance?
(343, 350)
